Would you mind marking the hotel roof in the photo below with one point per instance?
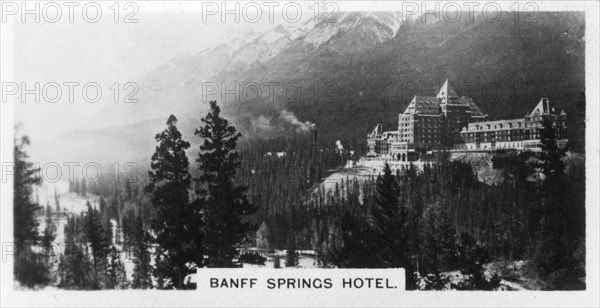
(495, 125)
(431, 105)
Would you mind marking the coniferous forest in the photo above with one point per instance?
(233, 202)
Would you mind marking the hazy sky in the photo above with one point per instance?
(107, 52)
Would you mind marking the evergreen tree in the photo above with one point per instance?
(560, 233)
(47, 240)
(105, 219)
(277, 262)
(177, 224)
(75, 267)
(113, 209)
(471, 257)
(163, 270)
(291, 259)
(49, 231)
(116, 277)
(57, 199)
(438, 239)
(142, 270)
(551, 156)
(358, 239)
(99, 242)
(102, 206)
(30, 269)
(390, 220)
(118, 234)
(128, 189)
(225, 204)
(24, 210)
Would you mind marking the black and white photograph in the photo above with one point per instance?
(299, 153)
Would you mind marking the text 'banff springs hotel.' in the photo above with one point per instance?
(447, 121)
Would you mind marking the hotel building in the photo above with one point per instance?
(449, 122)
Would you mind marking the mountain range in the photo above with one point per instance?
(342, 78)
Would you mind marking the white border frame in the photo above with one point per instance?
(241, 297)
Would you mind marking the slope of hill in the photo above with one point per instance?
(505, 66)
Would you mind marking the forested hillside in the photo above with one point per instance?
(505, 66)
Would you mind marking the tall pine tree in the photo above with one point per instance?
(29, 269)
(391, 221)
(560, 233)
(99, 242)
(225, 203)
(177, 224)
(24, 209)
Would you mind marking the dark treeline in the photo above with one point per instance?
(280, 174)
(442, 218)
(91, 259)
(123, 201)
